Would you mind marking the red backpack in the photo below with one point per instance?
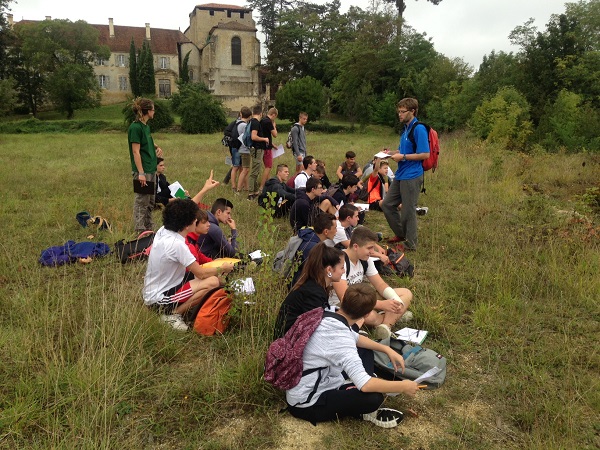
(283, 364)
(430, 163)
(212, 316)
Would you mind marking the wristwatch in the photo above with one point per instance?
(404, 157)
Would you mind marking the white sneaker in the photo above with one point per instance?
(406, 317)
(384, 417)
(382, 331)
(176, 321)
(422, 210)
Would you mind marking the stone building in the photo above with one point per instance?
(229, 52)
(224, 54)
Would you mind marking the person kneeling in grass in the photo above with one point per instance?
(323, 394)
(396, 301)
(168, 288)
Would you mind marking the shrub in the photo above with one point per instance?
(200, 111)
(384, 110)
(304, 94)
(569, 123)
(503, 119)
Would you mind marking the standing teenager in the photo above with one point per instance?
(143, 154)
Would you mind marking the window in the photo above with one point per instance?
(122, 83)
(121, 60)
(212, 12)
(103, 81)
(241, 15)
(164, 88)
(191, 75)
(164, 62)
(229, 14)
(236, 51)
(101, 62)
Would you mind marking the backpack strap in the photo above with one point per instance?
(314, 369)
(411, 138)
(365, 264)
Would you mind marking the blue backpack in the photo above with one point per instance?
(247, 136)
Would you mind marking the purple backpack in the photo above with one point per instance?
(283, 365)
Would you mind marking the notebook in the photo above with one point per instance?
(150, 187)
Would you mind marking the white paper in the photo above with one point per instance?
(257, 254)
(411, 335)
(174, 187)
(362, 206)
(244, 286)
(427, 375)
(382, 155)
(277, 151)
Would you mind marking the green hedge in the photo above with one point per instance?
(31, 126)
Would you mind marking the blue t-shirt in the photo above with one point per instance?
(407, 170)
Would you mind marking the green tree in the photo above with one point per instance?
(147, 83)
(304, 94)
(8, 95)
(200, 111)
(133, 70)
(184, 70)
(302, 44)
(570, 123)
(504, 119)
(269, 12)
(60, 54)
(6, 40)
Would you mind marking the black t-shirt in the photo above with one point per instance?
(255, 125)
(266, 126)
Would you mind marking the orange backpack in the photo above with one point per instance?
(212, 316)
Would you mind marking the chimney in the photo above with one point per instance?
(148, 31)
(10, 20)
(48, 17)
(111, 27)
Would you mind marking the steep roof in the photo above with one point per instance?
(161, 41)
(223, 7)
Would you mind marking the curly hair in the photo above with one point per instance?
(179, 214)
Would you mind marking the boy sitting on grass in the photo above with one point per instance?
(396, 301)
(168, 288)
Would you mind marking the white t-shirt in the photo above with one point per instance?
(167, 262)
(356, 275)
(340, 233)
(300, 180)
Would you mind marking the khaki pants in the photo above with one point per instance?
(143, 205)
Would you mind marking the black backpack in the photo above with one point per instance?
(228, 133)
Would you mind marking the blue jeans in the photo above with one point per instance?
(404, 222)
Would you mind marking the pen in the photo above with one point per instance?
(422, 386)
(418, 333)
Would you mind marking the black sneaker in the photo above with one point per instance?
(384, 417)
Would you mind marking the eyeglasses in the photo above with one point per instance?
(402, 111)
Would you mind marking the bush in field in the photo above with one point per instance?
(304, 94)
(384, 110)
(162, 116)
(200, 111)
(503, 119)
(570, 123)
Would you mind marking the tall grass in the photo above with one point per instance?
(506, 282)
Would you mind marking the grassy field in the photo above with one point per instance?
(506, 282)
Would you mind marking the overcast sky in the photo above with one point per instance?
(468, 29)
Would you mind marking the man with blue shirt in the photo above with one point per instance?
(408, 178)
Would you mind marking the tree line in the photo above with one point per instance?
(356, 64)
(548, 92)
